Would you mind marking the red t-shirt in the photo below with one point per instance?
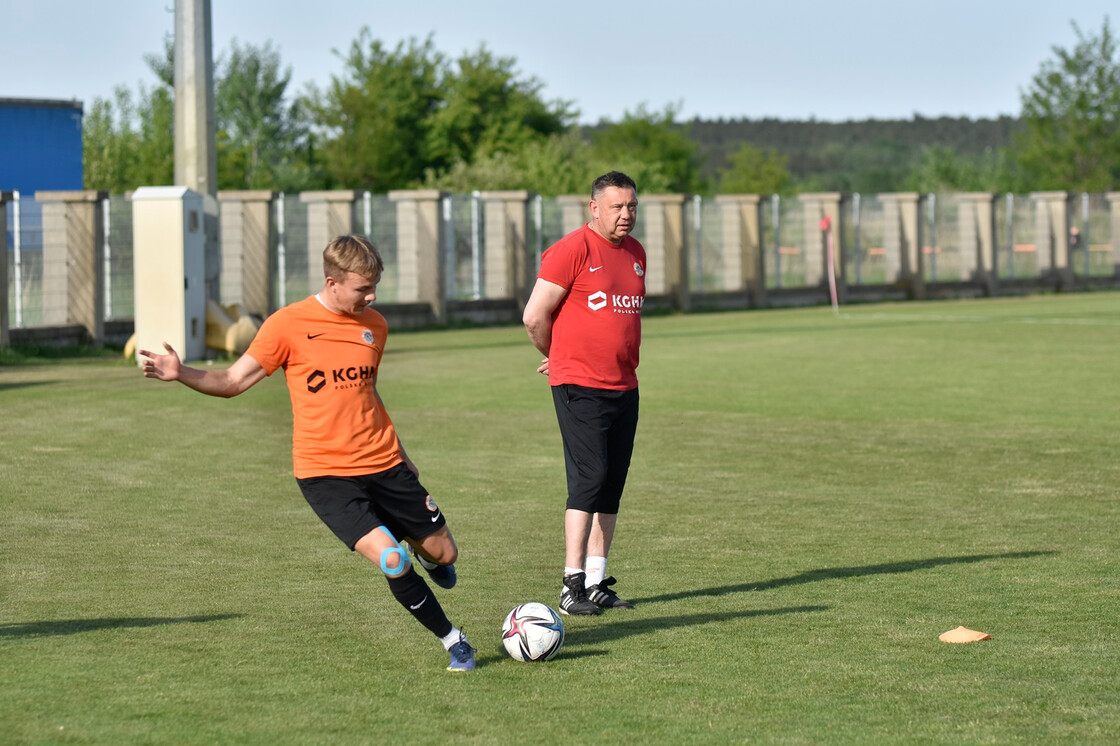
(339, 425)
(597, 327)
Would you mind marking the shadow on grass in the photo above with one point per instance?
(834, 573)
(23, 384)
(616, 627)
(76, 626)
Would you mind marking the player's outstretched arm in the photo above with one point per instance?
(232, 381)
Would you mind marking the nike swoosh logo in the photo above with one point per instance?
(595, 269)
(313, 336)
(417, 606)
(435, 517)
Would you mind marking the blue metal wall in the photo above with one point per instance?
(40, 145)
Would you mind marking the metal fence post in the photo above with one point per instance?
(281, 251)
(17, 259)
(449, 248)
(107, 259)
(776, 219)
(476, 243)
(1010, 200)
(538, 222)
(858, 248)
(932, 218)
(1085, 242)
(698, 232)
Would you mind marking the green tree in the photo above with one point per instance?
(486, 109)
(163, 65)
(941, 168)
(560, 164)
(375, 115)
(129, 141)
(755, 171)
(263, 141)
(651, 148)
(1071, 116)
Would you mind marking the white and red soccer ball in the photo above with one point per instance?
(532, 632)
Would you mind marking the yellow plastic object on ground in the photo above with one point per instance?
(228, 329)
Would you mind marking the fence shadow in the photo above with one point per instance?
(77, 626)
(834, 573)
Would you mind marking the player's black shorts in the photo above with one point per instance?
(597, 426)
(354, 506)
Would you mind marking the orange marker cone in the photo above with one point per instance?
(964, 634)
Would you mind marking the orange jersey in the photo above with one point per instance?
(339, 425)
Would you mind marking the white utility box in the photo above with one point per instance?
(169, 270)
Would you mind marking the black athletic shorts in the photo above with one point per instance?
(597, 427)
(354, 506)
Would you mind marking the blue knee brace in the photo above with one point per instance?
(388, 552)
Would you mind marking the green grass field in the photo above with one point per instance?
(813, 500)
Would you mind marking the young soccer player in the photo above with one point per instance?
(347, 458)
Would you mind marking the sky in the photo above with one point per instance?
(787, 59)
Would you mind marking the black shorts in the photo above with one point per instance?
(597, 426)
(354, 506)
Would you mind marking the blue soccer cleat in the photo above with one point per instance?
(462, 655)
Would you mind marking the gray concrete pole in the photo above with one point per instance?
(196, 162)
(196, 159)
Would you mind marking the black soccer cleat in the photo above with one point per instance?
(574, 600)
(605, 598)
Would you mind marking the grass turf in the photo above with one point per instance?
(812, 501)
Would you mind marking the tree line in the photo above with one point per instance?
(409, 116)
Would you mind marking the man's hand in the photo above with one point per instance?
(164, 367)
(543, 369)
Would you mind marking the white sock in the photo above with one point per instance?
(596, 570)
(452, 638)
(569, 571)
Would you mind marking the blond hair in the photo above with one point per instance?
(351, 253)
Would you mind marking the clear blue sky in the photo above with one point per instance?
(791, 59)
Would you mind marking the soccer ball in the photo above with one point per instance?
(532, 632)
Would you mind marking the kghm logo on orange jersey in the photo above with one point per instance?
(355, 375)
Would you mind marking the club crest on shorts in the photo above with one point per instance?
(367, 336)
(431, 504)
(638, 269)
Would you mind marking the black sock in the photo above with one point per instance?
(415, 596)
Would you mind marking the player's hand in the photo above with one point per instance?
(543, 369)
(164, 367)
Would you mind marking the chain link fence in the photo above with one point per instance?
(295, 274)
